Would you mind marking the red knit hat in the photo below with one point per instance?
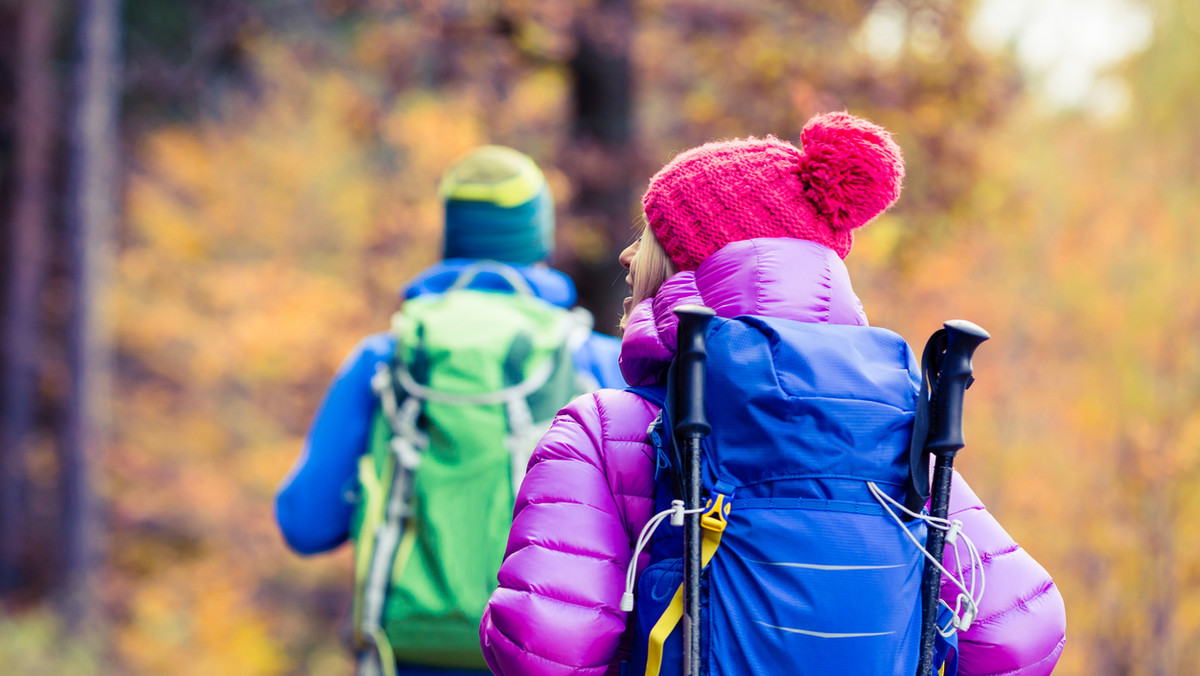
(848, 173)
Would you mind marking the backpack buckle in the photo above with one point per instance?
(715, 512)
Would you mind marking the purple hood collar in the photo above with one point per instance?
(784, 278)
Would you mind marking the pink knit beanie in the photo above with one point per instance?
(849, 172)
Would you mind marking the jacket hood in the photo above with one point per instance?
(774, 277)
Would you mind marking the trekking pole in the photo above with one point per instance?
(691, 426)
(951, 354)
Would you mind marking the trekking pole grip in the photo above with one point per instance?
(691, 353)
(954, 375)
(691, 426)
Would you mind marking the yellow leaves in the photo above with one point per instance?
(541, 97)
(930, 118)
(230, 322)
(1182, 455)
(36, 644)
(258, 466)
(298, 172)
(164, 220)
(701, 105)
(197, 620)
(433, 133)
(183, 156)
(875, 245)
(381, 43)
(272, 323)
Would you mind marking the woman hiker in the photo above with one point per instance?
(745, 227)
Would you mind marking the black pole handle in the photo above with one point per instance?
(953, 379)
(950, 375)
(691, 426)
(691, 353)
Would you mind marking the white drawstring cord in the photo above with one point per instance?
(676, 513)
(961, 617)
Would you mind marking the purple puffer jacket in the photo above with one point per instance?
(590, 486)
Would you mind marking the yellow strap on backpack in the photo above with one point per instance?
(712, 525)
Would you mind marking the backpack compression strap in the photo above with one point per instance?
(391, 540)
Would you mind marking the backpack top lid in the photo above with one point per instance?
(802, 400)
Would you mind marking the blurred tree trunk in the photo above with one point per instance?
(600, 155)
(34, 141)
(91, 213)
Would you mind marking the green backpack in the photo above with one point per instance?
(476, 380)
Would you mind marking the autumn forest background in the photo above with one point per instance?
(206, 204)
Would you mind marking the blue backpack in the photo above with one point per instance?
(804, 571)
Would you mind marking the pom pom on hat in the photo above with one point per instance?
(849, 172)
(851, 169)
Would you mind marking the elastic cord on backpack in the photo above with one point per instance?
(676, 512)
(574, 331)
(966, 606)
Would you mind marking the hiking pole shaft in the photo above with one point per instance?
(945, 439)
(691, 426)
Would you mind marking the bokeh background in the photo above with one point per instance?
(206, 203)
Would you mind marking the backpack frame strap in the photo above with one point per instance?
(392, 541)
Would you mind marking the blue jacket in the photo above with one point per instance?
(313, 506)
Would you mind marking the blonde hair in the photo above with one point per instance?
(651, 266)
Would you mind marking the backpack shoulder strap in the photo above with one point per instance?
(661, 431)
(655, 394)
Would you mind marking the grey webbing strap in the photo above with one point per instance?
(582, 323)
(574, 331)
(523, 431)
(584, 382)
(523, 436)
(406, 445)
(521, 390)
(368, 665)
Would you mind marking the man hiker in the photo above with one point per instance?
(424, 433)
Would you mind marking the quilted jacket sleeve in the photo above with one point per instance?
(556, 610)
(1021, 627)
